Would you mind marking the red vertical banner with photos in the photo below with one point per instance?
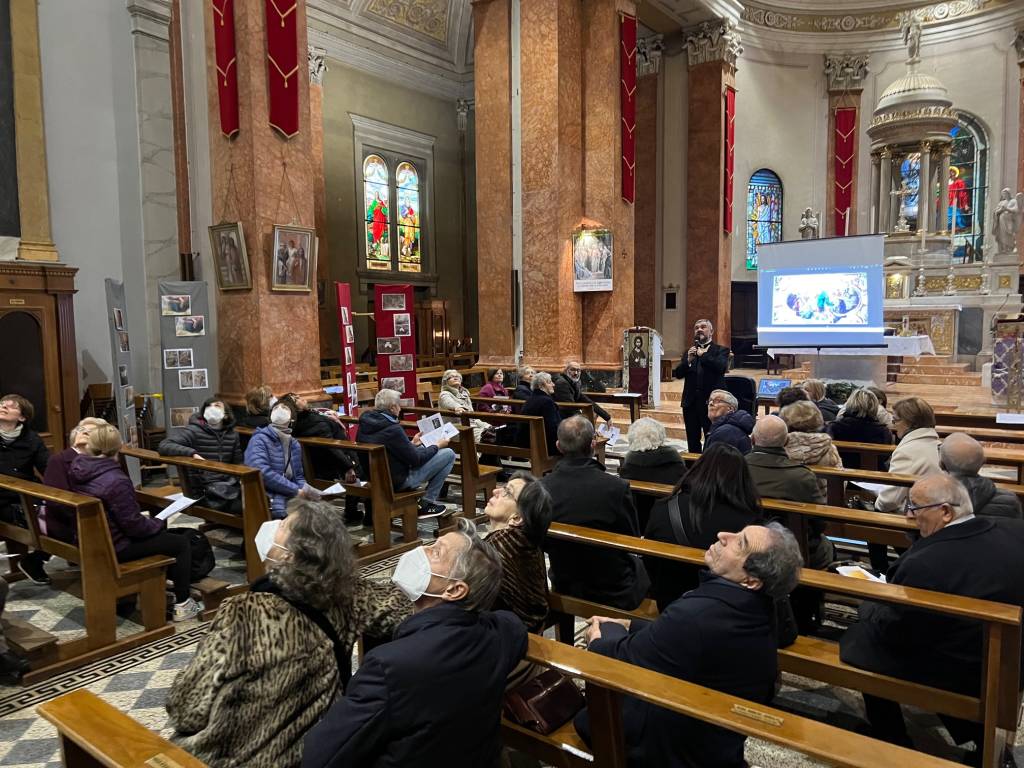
(396, 339)
(347, 334)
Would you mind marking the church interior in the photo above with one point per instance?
(535, 239)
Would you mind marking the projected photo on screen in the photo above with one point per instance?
(820, 299)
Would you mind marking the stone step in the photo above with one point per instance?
(960, 379)
(930, 360)
(952, 368)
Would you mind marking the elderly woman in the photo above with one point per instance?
(278, 456)
(96, 472)
(858, 423)
(650, 460)
(815, 389)
(257, 407)
(276, 657)
(807, 442)
(542, 403)
(519, 514)
(60, 520)
(455, 397)
(523, 388)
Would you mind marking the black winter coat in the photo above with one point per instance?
(858, 429)
(522, 391)
(582, 493)
(719, 636)
(328, 463)
(380, 429)
(988, 500)
(541, 404)
(660, 465)
(703, 376)
(569, 391)
(212, 444)
(23, 457)
(431, 697)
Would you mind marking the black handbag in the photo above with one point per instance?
(203, 560)
(221, 494)
(544, 703)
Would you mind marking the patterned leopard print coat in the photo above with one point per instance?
(265, 674)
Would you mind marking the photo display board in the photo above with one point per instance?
(396, 339)
(121, 355)
(184, 349)
(348, 348)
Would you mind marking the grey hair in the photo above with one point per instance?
(802, 416)
(386, 399)
(479, 566)
(863, 403)
(705, 320)
(576, 437)
(524, 369)
(449, 374)
(320, 569)
(778, 565)
(947, 489)
(540, 378)
(88, 421)
(727, 396)
(961, 455)
(815, 389)
(646, 434)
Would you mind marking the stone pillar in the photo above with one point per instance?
(645, 209)
(845, 76)
(884, 188)
(873, 193)
(492, 79)
(712, 50)
(330, 344)
(942, 205)
(263, 337)
(924, 189)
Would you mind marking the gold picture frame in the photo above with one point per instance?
(293, 258)
(230, 261)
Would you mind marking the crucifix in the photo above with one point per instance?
(902, 194)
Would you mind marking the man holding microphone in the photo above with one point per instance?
(703, 371)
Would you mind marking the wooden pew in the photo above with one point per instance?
(998, 705)
(477, 479)
(95, 734)
(586, 409)
(872, 455)
(103, 580)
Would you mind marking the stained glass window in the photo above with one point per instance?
(764, 212)
(910, 172)
(967, 189)
(408, 183)
(376, 205)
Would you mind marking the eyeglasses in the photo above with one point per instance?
(507, 493)
(913, 509)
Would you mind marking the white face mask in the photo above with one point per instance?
(265, 539)
(412, 574)
(280, 417)
(214, 415)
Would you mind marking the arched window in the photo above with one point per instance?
(378, 212)
(408, 182)
(764, 212)
(968, 188)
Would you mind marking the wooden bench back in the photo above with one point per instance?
(587, 409)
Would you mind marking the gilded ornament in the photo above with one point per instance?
(863, 22)
(428, 17)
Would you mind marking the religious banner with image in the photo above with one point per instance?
(224, 53)
(185, 350)
(844, 167)
(396, 339)
(283, 66)
(642, 363)
(627, 103)
(347, 360)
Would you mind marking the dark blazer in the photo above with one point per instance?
(380, 429)
(980, 558)
(431, 697)
(857, 429)
(23, 457)
(522, 391)
(704, 375)
(541, 404)
(103, 478)
(669, 580)
(661, 465)
(719, 636)
(569, 391)
(582, 493)
(732, 429)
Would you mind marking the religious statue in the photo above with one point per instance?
(809, 225)
(1009, 211)
(911, 29)
(902, 225)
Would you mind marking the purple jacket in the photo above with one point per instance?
(60, 520)
(103, 478)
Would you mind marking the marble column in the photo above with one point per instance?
(264, 337)
(330, 343)
(924, 190)
(873, 196)
(884, 188)
(645, 209)
(845, 75)
(712, 50)
(1018, 43)
(942, 204)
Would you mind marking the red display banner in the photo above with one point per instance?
(844, 166)
(283, 66)
(396, 339)
(348, 348)
(224, 55)
(730, 146)
(627, 103)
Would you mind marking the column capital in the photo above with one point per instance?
(1018, 43)
(316, 58)
(926, 146)
(713, 41)
(648, 54)
(886, 153)
(462, 108)
(846, 71)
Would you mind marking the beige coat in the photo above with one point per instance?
(814, 448)
(450, 401)
(916, 454)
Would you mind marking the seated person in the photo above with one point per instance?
(789, 395)
(495, 387)
(257, 407)
(858, 422)
(518, 516)
(278, 457)
(411, 463)
(134, 535)
(455, 397)
(276, 657)
(569, 389)
(542, 403)
(816, 393)
(523, 388)
(432, 696)
(957, 553)
(883, 415)
(962, 456)
(209, 436)
(650, 460)
(720, 635)
(807, 441)
(22, 455)
(716, 494)
(60, 520)
(582, 493)
(729, 426)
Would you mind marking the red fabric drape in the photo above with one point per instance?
(283, 66)
(348, 349)
(843, 166)
(627, 103)
(730, 137)
(225, 58)
(394, 318)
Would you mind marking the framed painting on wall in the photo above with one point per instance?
(293, 263)
(229, 257)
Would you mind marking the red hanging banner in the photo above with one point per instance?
(395, 321)
(283, 66)
(627, 103)
(730, 146)
(844, 162)
(346, 331)
(227, 71)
